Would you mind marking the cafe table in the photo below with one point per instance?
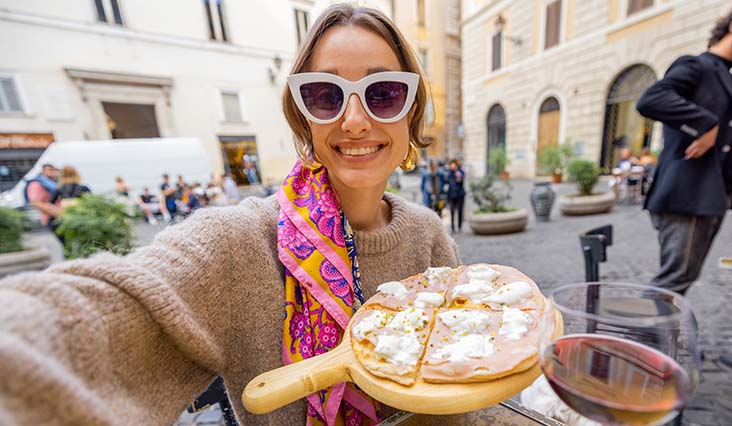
(506, 413)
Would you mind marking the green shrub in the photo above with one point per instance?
(491, 195)
(553, 159)
(11, 230)
(498, 160)
(96, 223)
(550, 160)
(584, 174)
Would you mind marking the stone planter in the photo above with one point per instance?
(573, 205)
(32, 259)
(499, 223)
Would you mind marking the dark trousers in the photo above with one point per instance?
(685, 242)
(456, 206)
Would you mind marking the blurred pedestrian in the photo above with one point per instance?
(67, 194)
(179, 187)
(456, 195)
(692, 184)
(216, 196)
(193, 202)
(230, 189)
(38, 193)
(121, 187)
(167, 192)
(434, 193)
(70, 188)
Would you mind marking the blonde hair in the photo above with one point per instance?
(69, 175)
(341, 15)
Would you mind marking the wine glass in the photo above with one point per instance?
(628, 354)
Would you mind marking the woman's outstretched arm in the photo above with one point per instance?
(119, 340)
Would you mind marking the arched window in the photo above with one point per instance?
(624, 126)
(496, 122)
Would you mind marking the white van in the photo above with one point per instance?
(140, 162)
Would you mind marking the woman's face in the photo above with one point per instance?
(358, 151)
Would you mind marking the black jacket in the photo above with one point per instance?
(694, 96)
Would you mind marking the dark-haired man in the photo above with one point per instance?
(692, 185)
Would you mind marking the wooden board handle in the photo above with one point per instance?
(279, 387)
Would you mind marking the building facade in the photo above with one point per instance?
(116, 69)
(432, 28)
(538, 73)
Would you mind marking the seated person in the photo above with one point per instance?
(190, 201)
(647, 158)
(150, 205)
(625, 169)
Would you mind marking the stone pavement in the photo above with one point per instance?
(550, 253)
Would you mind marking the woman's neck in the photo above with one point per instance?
(365, 208)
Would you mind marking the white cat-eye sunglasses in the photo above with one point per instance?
(322, 97)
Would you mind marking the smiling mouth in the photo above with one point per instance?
(357, 152)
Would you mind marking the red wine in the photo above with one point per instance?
(615, 381)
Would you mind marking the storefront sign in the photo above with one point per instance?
(25, 140)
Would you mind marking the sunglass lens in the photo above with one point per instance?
(323, 100)
(386, 98)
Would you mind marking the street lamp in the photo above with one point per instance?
(500, 26)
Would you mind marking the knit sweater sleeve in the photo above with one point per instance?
(121, 340)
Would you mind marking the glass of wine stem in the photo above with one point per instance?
(628, 354)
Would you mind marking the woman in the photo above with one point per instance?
(70, 188)
(456, 195)
(133, 340)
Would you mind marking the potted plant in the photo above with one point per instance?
(553, 160)
(94, 223)
(498, 161)
(584, 174)
(13, 256)
(493, 215)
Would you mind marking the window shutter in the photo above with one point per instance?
(496, 51)
(553, 22)
(232, 107)
(9, 97)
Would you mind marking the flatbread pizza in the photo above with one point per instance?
(450, 325)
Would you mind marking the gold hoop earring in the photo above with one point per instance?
(309, 158)
(312, 162)
(410, 161)
(311, 165)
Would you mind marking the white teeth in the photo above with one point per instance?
(359, 151)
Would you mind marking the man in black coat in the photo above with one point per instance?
(692, 184)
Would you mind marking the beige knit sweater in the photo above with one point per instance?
(133, 340)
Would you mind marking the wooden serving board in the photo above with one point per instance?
(279, 387)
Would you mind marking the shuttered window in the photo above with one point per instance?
(9, 96)
(553, 24)
(496, 53)
(232, 107)
(108, 11)
(301, 25)
(638, 5)
(215, 15)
